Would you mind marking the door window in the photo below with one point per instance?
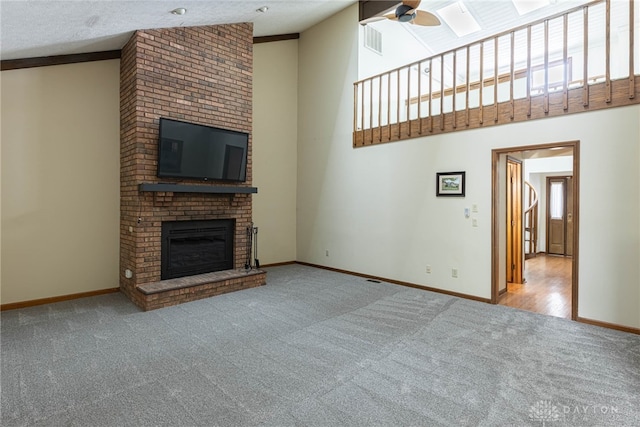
(556, 200)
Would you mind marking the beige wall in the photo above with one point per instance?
(275, 138)
(60, 172)
(375, 211)
(60, 180)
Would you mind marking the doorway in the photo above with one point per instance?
(505, 217)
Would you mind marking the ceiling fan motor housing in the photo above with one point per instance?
(401, 13)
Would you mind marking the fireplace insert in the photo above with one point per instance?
(196, 247)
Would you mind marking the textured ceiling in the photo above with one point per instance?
(33, 28)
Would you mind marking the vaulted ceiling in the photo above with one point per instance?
(492, 17)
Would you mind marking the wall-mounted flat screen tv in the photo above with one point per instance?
(189, 150)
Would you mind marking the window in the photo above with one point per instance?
(556, 200)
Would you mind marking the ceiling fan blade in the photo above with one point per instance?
(391, 16)
(413, 4)
(372, 19)
(426, 19)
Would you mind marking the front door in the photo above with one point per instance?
(560, 215)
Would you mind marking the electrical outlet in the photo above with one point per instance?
(454, 272)
(474, 222)
(474, 208)
(428, 270)
(326, 252)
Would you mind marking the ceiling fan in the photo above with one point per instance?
(408, 12)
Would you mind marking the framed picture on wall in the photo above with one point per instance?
(450, 184)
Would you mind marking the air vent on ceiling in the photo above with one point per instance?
(373, 39)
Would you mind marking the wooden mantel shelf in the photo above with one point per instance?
(186, 188)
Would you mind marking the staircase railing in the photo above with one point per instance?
(531, 223)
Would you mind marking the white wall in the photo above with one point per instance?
(0, 189)
(60, 180)
(548, 164)
(374, 209)
(399, 48)
(275, 138)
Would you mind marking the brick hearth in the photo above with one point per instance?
(175, 291)
(195, 74)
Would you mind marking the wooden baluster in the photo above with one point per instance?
(409, 101)
(585, 63)
(466, 101)
(419, 98)
(546, 65)
(632, 72)
(607, 84)
(398, 104)
(481, 108)
(565, 62)
(389, 106)
(380, 110)
(455, 61)
(355, 112)
(430, 95)
(495, 79)
(512, 75)
(371, 108)
(442, 92)
(362, 115)
(529, 76)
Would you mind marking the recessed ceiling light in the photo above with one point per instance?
(262, 9)
(179, 11)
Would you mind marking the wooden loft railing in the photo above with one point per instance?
(536, 78)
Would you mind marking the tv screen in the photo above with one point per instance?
(189, 150)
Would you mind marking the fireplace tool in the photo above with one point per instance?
(255, 250)
(247, 263)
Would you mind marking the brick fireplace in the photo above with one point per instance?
(200, 75)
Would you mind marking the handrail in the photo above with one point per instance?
(535, 197)
(531, 222)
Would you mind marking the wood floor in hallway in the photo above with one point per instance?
(547, 289)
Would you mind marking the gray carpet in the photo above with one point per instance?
(314, 348)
